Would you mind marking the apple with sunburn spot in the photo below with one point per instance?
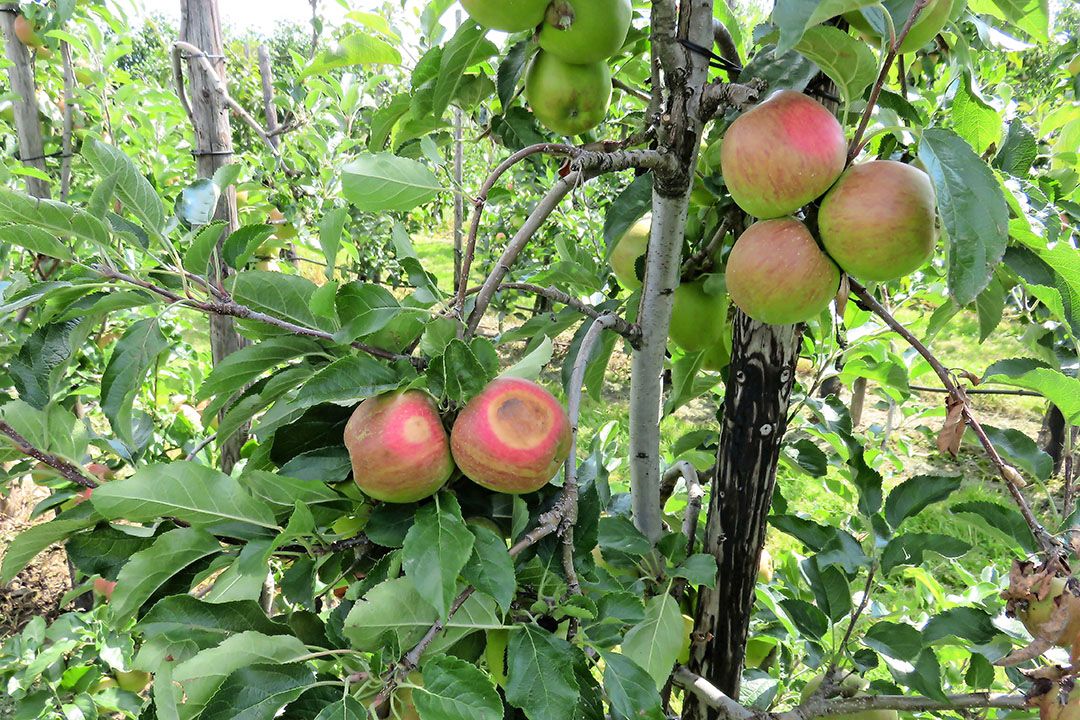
(781, 154)
(398, 447)
(512, 437)
(777, 274)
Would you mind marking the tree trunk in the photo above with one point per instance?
(200, 25)
(755, 418)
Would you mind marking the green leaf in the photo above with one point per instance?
(510, 70)
(990, 306)
(974, 120)
(436, 549)
(912, 496)
(465, 49)
(244, 578)
(458, 374)
(204, 673)
(365, 309)
(384, 120)
(1055, 386)
(456, 690)
(967, 623)
(490, 569)
(540, 674)
(151, 568)
(27, 544)
(186, 490)
(1031, 16)
(248, 363)
(630, 690)
(699, 569)
(356, 49)
(617, 532)
(347, 708)
(197, 257)
(1002, 519)
(382, 182)
(810, 620)
(131, 359)
(105, 549)
(281, 490)
(897, 640)
(196, 203)
(924, 678)
(135, 191)
(654, 643)
(258, 692)
(243, 242)
(908, 549)
(285, 297)
(331, 226)
(35, 240)
(848, 62)
(1018, 150)
(393, 606)
(51, 217)
(972, 208)
(794, 17)
(38, 369)
(832, 591)
(1022, 451)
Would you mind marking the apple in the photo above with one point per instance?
(850, 686)
(398, 447)
(27, 33)
(781, 154)
(929, 23)
(1061, 701)
(777, 274)
(585, 31)
(104, 587)
(567, 99)
(134, 681)
(631, 246)
(506, 15)
(512, 437)
(765, 567)
(878, 221)
(1037, 613)
(697, 317)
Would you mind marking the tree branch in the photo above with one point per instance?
(719, 96)
(875, 93)
(1008, 473)
(231, 308)
(57, 463)
(711, 695)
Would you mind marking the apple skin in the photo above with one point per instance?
(777, 274)
(567, 99)
(1060, 702)
(697, 318)
(104, 587)
(512, 437)
(585, 31)
(878, 221)
(27, 33)
(399, 449)
(765, 567)
(927, 25)
(627, 250)
(506, 15)
(781, 154)
(133, 680)
(1038, 613)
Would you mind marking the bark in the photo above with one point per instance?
(685, 75)
(858, 401)
(200, 25)
(266, 74)
(758, 392)
(1052, 436)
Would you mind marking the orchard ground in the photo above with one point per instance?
(911, 440)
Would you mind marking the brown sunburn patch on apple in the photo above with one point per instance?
(519, 421)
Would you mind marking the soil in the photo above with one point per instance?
(38, 589)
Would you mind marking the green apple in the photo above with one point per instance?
(567, 99)
(506, 15)
(929, 23)
(585, 31)
(697, 318)
(631, 246)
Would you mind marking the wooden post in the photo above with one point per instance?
(27, 124)
(200, 25)
(266, 73)
(459, 198)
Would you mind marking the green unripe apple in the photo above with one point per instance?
(567, 99)
(765, 567)
(929, 23)
(134, 681)
(697, 318)
(850, 686)
(585, 31)
(506, 15)
(879, 221)
(631, 246)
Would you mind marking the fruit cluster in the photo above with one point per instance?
(511, 438)
(568, 84)
(876, 220)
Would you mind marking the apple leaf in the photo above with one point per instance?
(436, 549)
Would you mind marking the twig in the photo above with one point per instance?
(266, 74)
(618, 324)
(570, 484)
(194, 53)
(1007, 472)
(864, 121)
(711, 695)
(234, 309)
(703, 258)
(631, 90)
(69, 120)
(199, 448)
(855, 615)
(695, 493)
(62, 466)
(974, 391)
(719, 96)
